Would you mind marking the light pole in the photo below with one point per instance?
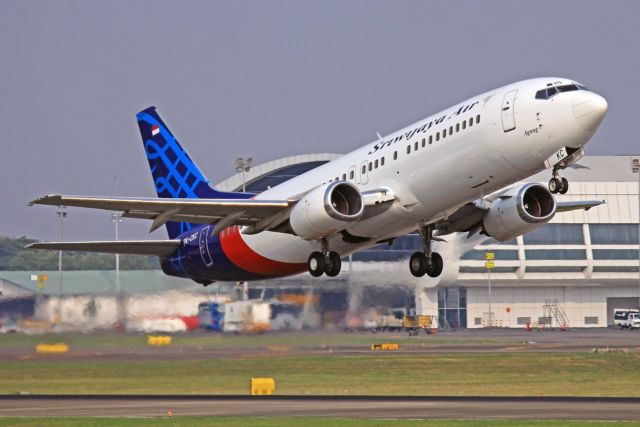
(62, 215)
(489, 265)
(243, 165)
(635, 168)
(116, 218)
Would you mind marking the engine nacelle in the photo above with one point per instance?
(326, 209)
(519, 211)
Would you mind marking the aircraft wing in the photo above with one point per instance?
(200, 211)
(260, 214)
(133, 247)
(469, 217)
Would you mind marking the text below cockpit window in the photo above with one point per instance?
(554, 90)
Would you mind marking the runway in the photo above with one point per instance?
(614, 409)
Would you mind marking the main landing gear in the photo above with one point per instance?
(426, 262)
(325, 262)
(558, 184)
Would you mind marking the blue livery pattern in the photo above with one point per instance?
(175, 174)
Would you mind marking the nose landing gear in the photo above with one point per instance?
(558, 184)
(426, 262)
(325, 262)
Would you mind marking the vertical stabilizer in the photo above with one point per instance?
(175, 174)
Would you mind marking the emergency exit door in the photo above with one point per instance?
(204, 246)
(508, 113)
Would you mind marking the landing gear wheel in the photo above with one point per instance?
(564, 187)
(437, 265)
(333, 263)
(555, 184)
(418, 264)
(316, 264)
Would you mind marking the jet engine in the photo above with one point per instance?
(519, 211)
(326, 209)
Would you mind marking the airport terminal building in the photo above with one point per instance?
(574, 270)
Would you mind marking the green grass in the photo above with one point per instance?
(492, 374)
(283, 422)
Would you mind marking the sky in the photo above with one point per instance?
(268, 79)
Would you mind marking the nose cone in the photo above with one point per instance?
(589, 109)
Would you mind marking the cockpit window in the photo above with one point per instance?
(567, 88)
(553, 90)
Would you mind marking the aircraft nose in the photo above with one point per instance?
(589, 109)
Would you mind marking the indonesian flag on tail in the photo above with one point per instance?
(155, 129)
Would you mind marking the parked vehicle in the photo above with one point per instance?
(634, 320)
(247, 316)
(621, 316)
(211, 316)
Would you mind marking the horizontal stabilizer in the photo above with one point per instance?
(133, 247)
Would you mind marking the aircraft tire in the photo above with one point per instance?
(332, 268)
(418, 264)
(437, 265)
(554, 185)
(564, 187)
(316, 264)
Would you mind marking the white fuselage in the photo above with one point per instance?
(435, 166)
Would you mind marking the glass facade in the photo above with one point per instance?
(614, 234)
(452, 307)
(555, 234)
(615, 254)
(556, 254)
(500, 254)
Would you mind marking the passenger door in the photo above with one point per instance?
(508, 112)
(364, 174)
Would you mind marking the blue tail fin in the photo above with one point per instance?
(175, 175)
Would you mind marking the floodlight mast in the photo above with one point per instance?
(243, 165)
(635, 168)
(62, 215)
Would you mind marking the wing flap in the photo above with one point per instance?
(132, 247)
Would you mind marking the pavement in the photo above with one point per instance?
(613, 409)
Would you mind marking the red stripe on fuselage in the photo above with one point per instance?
(239, 253)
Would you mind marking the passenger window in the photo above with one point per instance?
(430, 139)
(450, 130)
(471, 122)
(395, 155)
(437, 136)
(478, 119)
(408, 149)
(382, 161)
(375, 164)
(464, 124)
(364, 169)
(336, 178)
(344, 176)
(352, 174)
(457, 127)
(444, 133)
(415, 146)
(370, 166)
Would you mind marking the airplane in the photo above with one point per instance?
(452, 172)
